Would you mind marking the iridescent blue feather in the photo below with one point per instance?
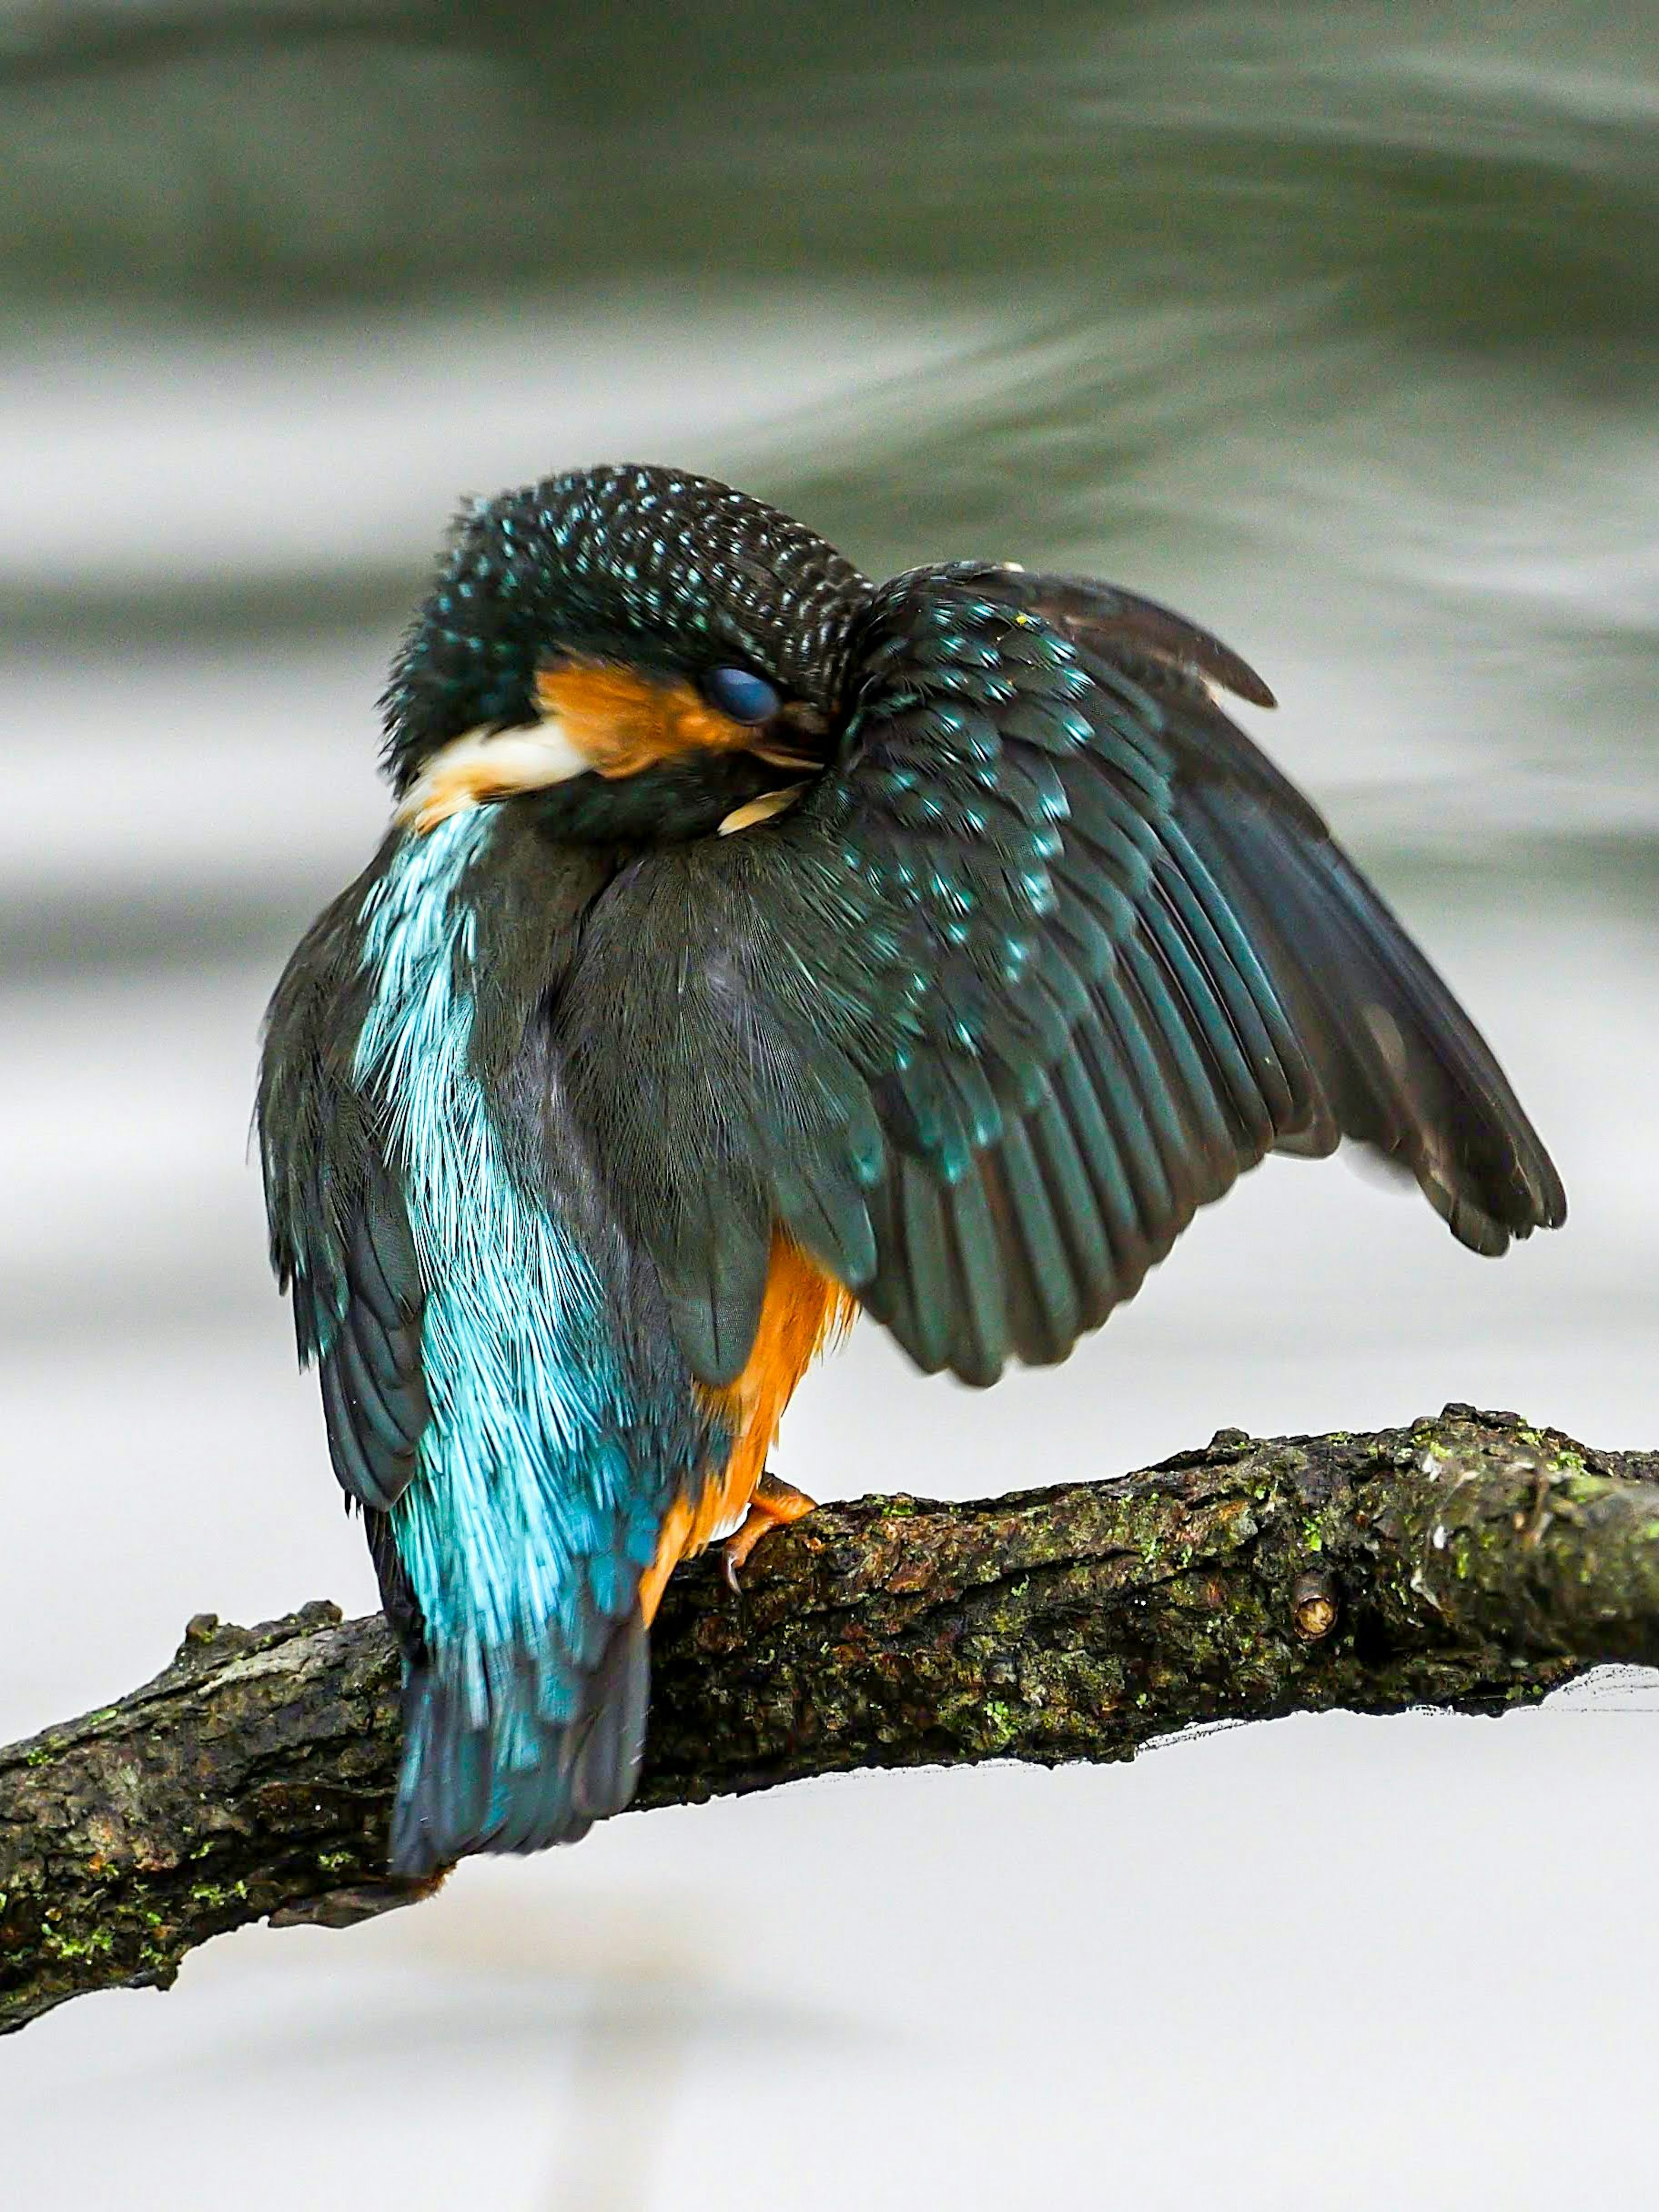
(527, 1522)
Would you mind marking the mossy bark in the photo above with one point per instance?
(1470, 1562)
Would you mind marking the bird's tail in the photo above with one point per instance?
(506, 1750)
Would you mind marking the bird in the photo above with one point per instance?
(753, 945)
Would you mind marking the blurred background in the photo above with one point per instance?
(1335, 326)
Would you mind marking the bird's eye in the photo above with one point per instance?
(744, 697)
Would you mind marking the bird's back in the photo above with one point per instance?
(506, 1401)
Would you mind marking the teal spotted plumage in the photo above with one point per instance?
(1019, 952)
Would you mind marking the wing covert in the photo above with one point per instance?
(1045, 960)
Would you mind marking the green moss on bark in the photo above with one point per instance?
(1471, 1562)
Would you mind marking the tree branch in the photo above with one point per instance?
(1469, 1562)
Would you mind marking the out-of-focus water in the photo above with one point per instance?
(1335, 326)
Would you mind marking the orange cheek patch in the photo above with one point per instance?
(624, 721)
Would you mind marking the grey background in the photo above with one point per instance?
(1335, 326)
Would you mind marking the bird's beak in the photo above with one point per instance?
(781, 757)
(770, 804)
(800, 721)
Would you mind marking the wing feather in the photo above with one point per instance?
(1048, 957)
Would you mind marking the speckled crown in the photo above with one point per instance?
(647, 564)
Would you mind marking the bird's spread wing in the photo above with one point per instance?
(1047, 958)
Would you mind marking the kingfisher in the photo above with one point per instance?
(751, 946)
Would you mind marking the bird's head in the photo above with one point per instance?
(640, 654)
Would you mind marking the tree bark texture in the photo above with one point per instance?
(1470, 1562)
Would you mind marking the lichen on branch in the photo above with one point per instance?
(1469, 1562)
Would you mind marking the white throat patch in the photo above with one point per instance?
(484, 764)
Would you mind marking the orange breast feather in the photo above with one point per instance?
(803, 1310)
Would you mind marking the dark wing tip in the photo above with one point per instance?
(1105, 617)
(1251, 687)
(1405, 1070)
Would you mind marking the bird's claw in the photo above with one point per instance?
(774, 1505)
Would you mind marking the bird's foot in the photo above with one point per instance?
(772, 1504)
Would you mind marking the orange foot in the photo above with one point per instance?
(772, 1504)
